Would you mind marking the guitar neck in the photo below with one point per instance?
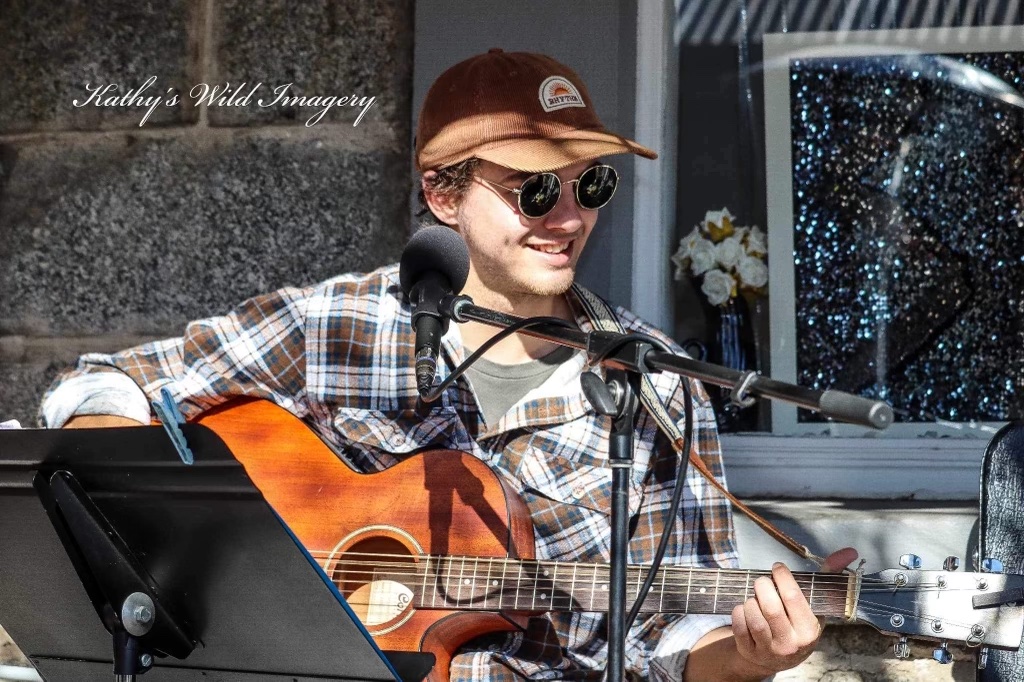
(495, 584)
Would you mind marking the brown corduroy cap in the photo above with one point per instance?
(521, 110)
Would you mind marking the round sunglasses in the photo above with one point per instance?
(539, 193)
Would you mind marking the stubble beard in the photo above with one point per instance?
(519, 288)
(507, 287)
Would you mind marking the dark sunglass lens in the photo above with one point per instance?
(539, 194)
(596, 186)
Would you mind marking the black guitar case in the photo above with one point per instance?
(1001, 529)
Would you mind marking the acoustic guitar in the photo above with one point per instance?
(439, 549)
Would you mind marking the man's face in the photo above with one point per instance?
(513, 257)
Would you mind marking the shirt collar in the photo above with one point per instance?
(559, 399)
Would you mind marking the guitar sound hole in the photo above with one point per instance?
(355, 568)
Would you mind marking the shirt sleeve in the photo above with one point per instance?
(256, 350)
(676, 637)
(112, 393)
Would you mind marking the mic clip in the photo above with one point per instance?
(452, 305)
(426, 296)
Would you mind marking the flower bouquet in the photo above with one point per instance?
(727, 258)
(729, 263)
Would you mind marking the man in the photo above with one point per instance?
(512, 155)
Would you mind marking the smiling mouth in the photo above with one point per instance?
(551, 248)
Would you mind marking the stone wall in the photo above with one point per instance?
(858, 653)
(112, 233)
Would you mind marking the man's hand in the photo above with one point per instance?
(775, 629)
(99, 421)
(772, 631)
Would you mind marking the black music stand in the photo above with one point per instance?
(92, 520)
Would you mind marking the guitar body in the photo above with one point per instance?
(429, 552)
(436, 503)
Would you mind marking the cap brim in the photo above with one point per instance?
(547, 154)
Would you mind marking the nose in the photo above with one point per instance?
(566, 216)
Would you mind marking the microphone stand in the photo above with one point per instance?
(627, 357)
(620, 458)
(614, 351)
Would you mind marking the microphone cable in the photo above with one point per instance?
(684, 461)
(526, 323)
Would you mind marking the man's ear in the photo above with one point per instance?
(444, 206)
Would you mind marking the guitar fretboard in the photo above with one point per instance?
(496, 584)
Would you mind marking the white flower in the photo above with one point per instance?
(682, 255)
(679, 260)
(757, 242)
(702, 256)
(724, 255)
(716, 217)
(717, 286)
(728, 252)
(752, 271)
(691, 239)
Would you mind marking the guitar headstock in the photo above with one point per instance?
(978, 609)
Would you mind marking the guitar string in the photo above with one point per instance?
(868, 608)
(358, 565)
(865, 606)
(362, 573)
(828, 595)
(836, 600)
(824, 595)
(680, 574)
(840, 589)
(885, 610)
(724, 592)
(410, 559)
(722, 587)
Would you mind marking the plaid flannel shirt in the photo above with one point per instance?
(340, 356)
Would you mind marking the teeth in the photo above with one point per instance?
(551, 248)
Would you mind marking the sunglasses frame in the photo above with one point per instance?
(576, 191)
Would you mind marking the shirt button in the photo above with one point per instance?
(578, 491)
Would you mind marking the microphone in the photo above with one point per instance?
(434, 264)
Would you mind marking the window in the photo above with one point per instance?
(880, 145)
(897, 241)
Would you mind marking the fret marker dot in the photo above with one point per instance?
(543, 596)
(467, 581)
(604, 587)
(703, 590)
(494, 583)
(546, 574)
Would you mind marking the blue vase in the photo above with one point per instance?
(733, 346)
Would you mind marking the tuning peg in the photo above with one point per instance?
(951, 563)
(991, 565)
(911, 561)
(942, 655)
(982, 658)
(901, 648)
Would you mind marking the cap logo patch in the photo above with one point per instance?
(558, 93)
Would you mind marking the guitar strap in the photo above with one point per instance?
(603, 318)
